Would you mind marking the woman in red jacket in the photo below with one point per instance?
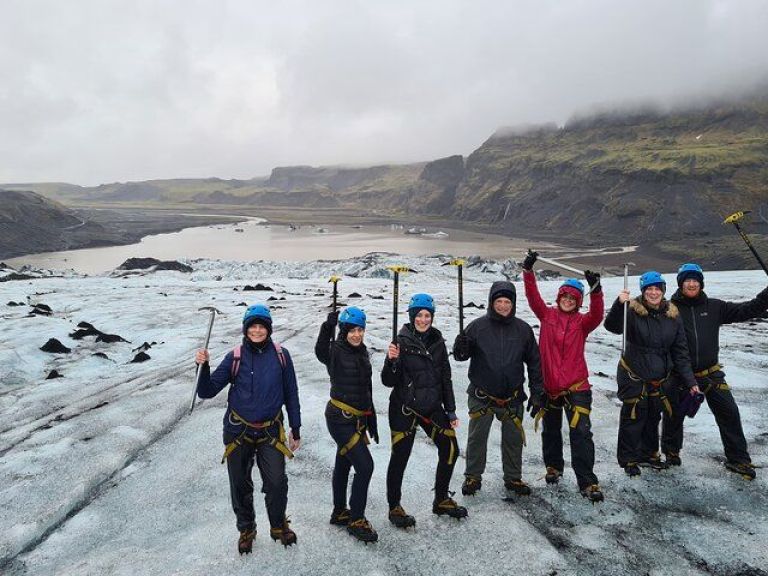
(562, 337)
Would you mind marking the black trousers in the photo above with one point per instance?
(447, 450)
(274, 482)
(723, 407)
(638, 421)
(582, 446)
(359, 458)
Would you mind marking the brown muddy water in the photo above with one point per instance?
(255, 240)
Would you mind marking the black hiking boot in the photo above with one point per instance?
(746, 469)
(518, 487)
(673, 459)
(593, 493)
(245, 542)
(448, 507)
(471, 486)
(553, 475)
(362, 530)
(654, 461)
(400, 519)
(632, 470)
(340, 517)
(284, 534)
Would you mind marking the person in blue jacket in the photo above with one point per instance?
(262, 381)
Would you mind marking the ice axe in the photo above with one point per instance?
(626, 308)
(564, 267)
(734, 219)
(396, 271)
(335, 279)
(459, 263)
(213, 312)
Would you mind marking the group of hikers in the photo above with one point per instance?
(668, 367)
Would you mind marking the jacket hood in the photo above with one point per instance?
(498, 289)
(679, 298)
(667, 307)
(564, 289)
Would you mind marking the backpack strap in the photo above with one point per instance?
(280, 355)
(236, 354)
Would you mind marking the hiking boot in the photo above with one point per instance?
(362, 530)
(284, 534)
(245, 542)
(518, 487)
(340, 517)
(654, 461)
(553, 475)
(400, 519)
(593, 493)
(471, 486)
(746, 469)
(632, 469)
(448, 507)
(673, 459)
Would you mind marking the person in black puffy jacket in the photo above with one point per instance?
(702, 317)
(418, 371)
(350, 416)
(655, 345)
(500, 346)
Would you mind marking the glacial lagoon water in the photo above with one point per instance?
(256, 240)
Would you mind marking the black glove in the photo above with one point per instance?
(333, 318)
(530, 260)
(462, 346)
(535, 404)
(593, 279)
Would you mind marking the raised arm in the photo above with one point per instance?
(732, 312)
(211, 384)
(535, 301)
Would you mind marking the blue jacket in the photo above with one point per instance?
(260, 390)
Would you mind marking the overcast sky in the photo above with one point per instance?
(95, 91)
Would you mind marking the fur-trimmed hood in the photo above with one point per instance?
(639, 307)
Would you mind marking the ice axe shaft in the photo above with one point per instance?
(213, 312)
(564, 267)
(334, 304)
(396, 271)
(734, 219)
(626, 311)
(459, 263)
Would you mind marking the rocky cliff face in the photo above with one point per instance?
(31, 223)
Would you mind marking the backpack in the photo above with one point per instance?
(237, 352)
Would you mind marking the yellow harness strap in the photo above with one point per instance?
(350, 409)
(360, 432)
(577, 412)
(451, 433)
(633, 402)
(575, 420)
(278, 442)
(708, 371)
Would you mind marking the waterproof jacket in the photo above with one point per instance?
(421, 376)
(499, 346)
(703, 316)
(261, 388)
(656, 341)
(562, 338)
(348, 366)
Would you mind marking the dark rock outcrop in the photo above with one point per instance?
(154, 265)
(54, 346)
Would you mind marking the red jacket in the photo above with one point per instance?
(562, 338)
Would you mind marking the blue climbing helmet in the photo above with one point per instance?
(257, 313)
(690, 270)
(353, 316)
(652, 278)
(422, 301)
(573, 287)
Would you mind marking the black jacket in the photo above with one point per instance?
(348, 366)
(703, 316)
(498, 348)
(421, 376)
(655, 340)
